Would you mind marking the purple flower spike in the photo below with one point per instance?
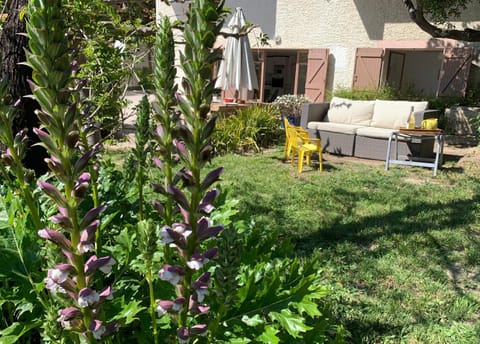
(178, 234)
(178, 304)
(52, 192)
(56, 237)
(81, 186)
(87, 238)
(63, 221)
(159, 207)
(97, 329)
(46, 140)
(183, 335)
(181, 150)
(186, 176)
(200, 286)
(206, 204)
(205, 232)
(171, 274)
(211, 178)
(159, 132)
(61, 273)
(83, 161)
(158, 163)
(87, 297)
(163, 306)
(55, 165)
(158, 189)
(178, 196)
(196, 308)
(106, 293)
(70, 318)
(196, 261)
(211, 253)
(199, 330)
(104, 264)
(91, 215)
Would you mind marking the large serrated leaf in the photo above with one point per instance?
(294, 324)
(308, 307)
(269, 336)
(14, 332)
(129, 312)
(252, 321)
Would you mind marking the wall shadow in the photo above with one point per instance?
(375, 14)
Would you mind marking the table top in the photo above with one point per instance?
(420, 132)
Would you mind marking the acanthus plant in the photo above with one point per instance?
(190, 139)
(73, 229)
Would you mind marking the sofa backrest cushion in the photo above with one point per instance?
(393, 114)
(346, 111)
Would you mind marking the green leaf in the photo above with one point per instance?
(269, 336)
(308, 307)
(14, 332)
(129, 312)
(294, 324)
(252, 321)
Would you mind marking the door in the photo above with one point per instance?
(395, 69)
(316, 81)
(368, 68)
(454, 72)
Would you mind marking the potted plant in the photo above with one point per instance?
(290, 106)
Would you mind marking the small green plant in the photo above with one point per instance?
(385, 92)
(250, 129)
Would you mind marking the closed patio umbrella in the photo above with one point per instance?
(237, 70)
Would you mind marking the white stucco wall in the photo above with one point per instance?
(339, 25)
(344, 25)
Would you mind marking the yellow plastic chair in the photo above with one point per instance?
(288, 142)
(304, 147)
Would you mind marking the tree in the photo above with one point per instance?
(13, 43)
(429, 15)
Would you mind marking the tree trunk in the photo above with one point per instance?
(12, 45)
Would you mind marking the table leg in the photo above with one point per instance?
(389, 146)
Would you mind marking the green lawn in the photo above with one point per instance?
(400, 249)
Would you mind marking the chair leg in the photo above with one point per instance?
(320, 159)
(309, 155)
(300, 161)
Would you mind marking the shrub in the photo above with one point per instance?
(250, 129)
(385, 92)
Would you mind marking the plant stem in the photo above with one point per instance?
(152, 302)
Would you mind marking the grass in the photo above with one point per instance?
(400, 249)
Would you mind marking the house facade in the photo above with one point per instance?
(318, 46)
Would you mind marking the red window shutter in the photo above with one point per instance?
(316, 82)
(368, 68)
(454, 73)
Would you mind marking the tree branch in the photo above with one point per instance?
(417, 16)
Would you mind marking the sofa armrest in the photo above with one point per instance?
(313, 112)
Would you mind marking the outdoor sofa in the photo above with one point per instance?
(361, 128)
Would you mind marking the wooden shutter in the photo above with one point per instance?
(368, 68)
(316, 82)
(454, 73)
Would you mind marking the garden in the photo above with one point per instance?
(200, 231)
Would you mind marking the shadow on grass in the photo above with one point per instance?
(421, 218)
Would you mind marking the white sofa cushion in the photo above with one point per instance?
(393, 114)
(379, 133)
(334, 127)
(348, 111)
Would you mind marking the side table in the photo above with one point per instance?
(423, 134)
